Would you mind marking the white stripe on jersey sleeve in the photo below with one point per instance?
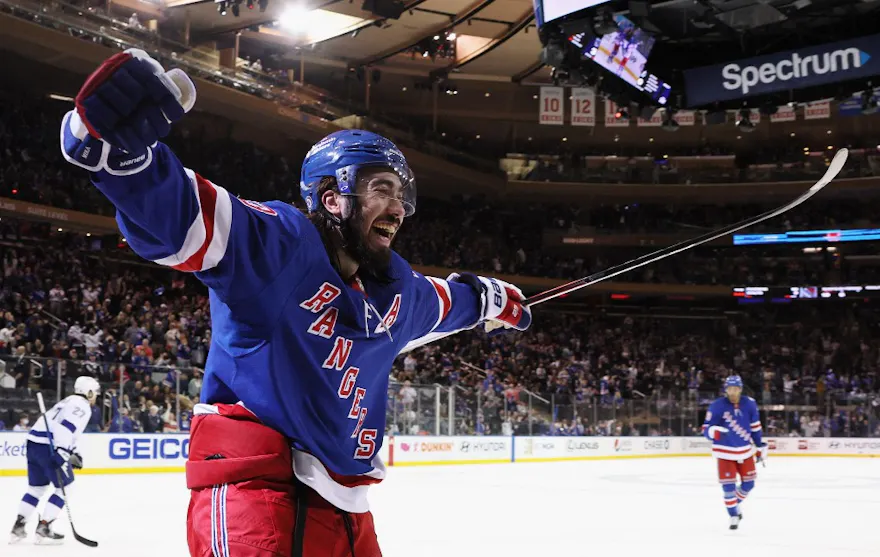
(201, 251)
(444, 299)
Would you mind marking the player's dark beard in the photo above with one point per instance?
(372, 264)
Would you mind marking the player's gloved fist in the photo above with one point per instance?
(501, 303)
(130, 101)
(75, 461)
(762, 452)
(123, 108)
(716, 431)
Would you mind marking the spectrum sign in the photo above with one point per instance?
(792, 69)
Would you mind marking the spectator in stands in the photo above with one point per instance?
(23, 424)
(152, 421)
(169, 421)
(121, 423)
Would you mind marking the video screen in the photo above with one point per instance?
(624, 52)
(554, 9)
(809, 237)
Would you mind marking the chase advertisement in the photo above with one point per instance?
(793, 69)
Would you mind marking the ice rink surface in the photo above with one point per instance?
(804, 507)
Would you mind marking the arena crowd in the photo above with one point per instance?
(74, 304)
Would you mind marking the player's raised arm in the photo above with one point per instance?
(463, 301)
(168, 213)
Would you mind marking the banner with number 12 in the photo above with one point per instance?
(583, 107)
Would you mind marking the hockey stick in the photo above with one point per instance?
(833, 170)
(78, 538)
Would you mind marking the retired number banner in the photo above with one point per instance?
(583, 107)
(817, 110)
(551, 110)
(610, 120)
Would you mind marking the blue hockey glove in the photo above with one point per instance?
(501, 303)
(122, 110)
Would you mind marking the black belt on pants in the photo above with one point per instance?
(299, 528)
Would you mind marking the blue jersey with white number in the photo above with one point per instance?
(306, 352)
(743, 424)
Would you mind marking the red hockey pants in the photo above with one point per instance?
(245, 501)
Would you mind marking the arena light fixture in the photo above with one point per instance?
(869, 102)
(745, 122)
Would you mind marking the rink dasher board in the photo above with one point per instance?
(105, 453)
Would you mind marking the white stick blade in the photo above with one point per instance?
(833, 169)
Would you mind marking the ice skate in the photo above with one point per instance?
(18, 531)
(46, 536)
(734, 521)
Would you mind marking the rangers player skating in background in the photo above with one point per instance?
(308, 314)
(733, 424)
(67, 420)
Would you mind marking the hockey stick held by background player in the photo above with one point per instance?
(309, 311)
(51, 459)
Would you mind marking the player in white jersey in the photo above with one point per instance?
(67, 420)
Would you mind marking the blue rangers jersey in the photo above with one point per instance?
(67, 420)
(306, 352)
(743, 425)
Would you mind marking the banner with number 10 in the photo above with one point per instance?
(550, 110)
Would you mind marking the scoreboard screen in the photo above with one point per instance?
(809, 236)
(785, 294)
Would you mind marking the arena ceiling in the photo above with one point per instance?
(494, 40)
(497, 40)
(342, 47)
(346, 50)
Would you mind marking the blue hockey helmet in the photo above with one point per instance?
(733, 381)
(342, 154)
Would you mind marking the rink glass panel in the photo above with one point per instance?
(432, 409)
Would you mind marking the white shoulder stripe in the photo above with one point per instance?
(195, 236)
(222, 229)
(202, 250)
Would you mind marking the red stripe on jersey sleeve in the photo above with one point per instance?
(208, 201)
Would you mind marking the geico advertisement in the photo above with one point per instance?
(440, 449)
(162, 448)
(102, 450)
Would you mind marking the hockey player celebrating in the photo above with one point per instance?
(309, 313)
(733, 425)
(67, 420)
